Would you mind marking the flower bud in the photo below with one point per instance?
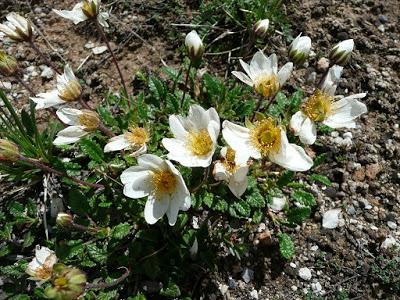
(90, 8)
(8, 151)
(8, 64)
(194, 46)
(17, 28)
(261, 27)
(64, 220)
(300, 49)
(68, 283)
(341, 53)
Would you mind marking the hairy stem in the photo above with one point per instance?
(43, 56)
(49, 169)
(106, 130)
(186, 83)
(104, 37)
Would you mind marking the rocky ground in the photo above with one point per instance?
(352, 261)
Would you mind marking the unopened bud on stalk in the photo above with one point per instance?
(17, 28)
(8, 64)
(90, 8)
(194, 46)
(8, 151)
(299, 49)
(260, 29)
(341, 53)
(64, 220)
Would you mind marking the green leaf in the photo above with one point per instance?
(120, 231)
(221, 205)
(285, 178)
(297, 215)
(286, 245)
(172, 290)
(208, 199)
(304, 198)
(242, 208)
(321, 178)
(138, 297)
(97, 254)
(16, 209)
(255, 199)
(320, 159)
(78, 202)
(257, 216)
(92, 149)
(28, 239)
(157, 89)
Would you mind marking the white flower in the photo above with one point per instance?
(68, 90)
(41, 267)
(232, 169)
(263, 75)
(162, 183)
(194, 45)
(17, 28)
(341, 53)
(135, 139)
(321, 107)
(300, 49)
(261, 28)
(266, 139)
(82, 122)
(195, 137)
(87, 9)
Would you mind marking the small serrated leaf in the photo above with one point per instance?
(297, 215)
(286, 245)
(92, 149)
(120, 231)
(304, 198)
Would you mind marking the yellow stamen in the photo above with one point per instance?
(229, 161)
(200, 142)
(266, 136)
(164, 182)
(71, 92)
(43, 272)
(89, 8)
(137, 136)
(89, 119)
(266, 85)
(318, 106)
(60, 282)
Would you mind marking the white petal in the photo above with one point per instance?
(331, 80)
(137, 184)
(6, 30)
(176, 202)
(117, 143)
(213, 116)
(68, 73)
(177, 127)
(220, 173)
(345, 111)
(102, 18)
(69, 116)
(303, 127)
(178, 152)
(69, 135)
(237, 137)
(273, 62)
(246, 68)
(238, 187)
(284, 73)
(140, 151)
(260, 64)
(198, 117)
(32, 267)
(297, 121)
(46, 100)
(151, 161)
(241, 173)
(42, 253)
(76, 15)
(291, 156)
(155, 209)
(243, 77)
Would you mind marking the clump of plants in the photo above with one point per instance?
(146, 179)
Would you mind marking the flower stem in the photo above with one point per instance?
(43, 56)
(92, 286)
(101, 127)
(25, 85)
(104, 37)
(49, 169)
(186, 83)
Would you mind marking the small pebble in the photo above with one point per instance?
(254, 294)
(247, 275)
(330, 219)
(348, 135)
(305, 274)
(391, 225)
(293, 265)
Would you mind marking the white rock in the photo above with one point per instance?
(254, 294)
(316, 287)
(261, 227)
(314, 248)
(47, 73)
(390, 242)
(391, 225)
(305, 274)
(330, 219)
(5, 85)
(277, 203)
(99, 50)
(348, 135)
(223, 288)
(89, 45)
(195, 222)
(294, 288)
(248, 275)
(293, 265)
(334, 134)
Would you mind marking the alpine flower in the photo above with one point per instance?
(263, 75)
(162, 183)
(261, 28)
(17, 28)
(194, 46)
(341, 53)
(299, 49)
(320, 107)
(41, 266)
(8, 151)
(135, 139)
(195, 137)
(82, 11)
(68, 90)
(81, 123)
(266, 139)
(233, 169)
(8, 64)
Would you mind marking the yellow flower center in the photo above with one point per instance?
(318, 106)
(137, 136)
(43, 272)
(266, 85)
(71, 92)
(60, 282)
(229, 161)
(164, 182)
(89, 119)
(200, 142)
(89, 8)
(266, 136)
